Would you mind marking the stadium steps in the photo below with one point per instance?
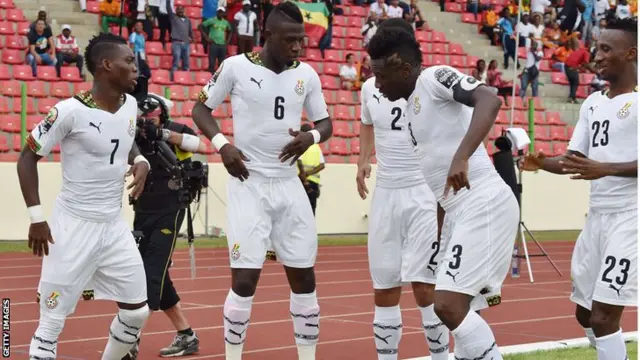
(475, 44)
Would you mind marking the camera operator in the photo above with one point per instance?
(160, 211)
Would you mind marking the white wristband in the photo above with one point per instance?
(190, 143)
(35, 213)
(316, 136)
(140, 158)
(219, 141)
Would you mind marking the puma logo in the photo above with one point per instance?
(96, 126)
(452, 275)
(45, 349)
(432, 269)
(592, 109)
(616, 289)
(239, 335)
(377, 98)
(382, 338)
(257, 83)
(312, 325)
(436, 341)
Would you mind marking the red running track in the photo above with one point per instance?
(529, 312)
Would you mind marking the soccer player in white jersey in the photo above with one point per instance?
(403, 246)
(90, 240)
(604, 150)
(266, 199)
(449, 115)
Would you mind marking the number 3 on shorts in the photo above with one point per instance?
(611, 263)
(457, 253)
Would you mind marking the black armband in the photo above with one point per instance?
(463, 90)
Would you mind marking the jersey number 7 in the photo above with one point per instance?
(116, 142)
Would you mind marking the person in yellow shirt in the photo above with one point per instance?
(309, 165)
(110, 14)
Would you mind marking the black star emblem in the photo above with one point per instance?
(307, 15)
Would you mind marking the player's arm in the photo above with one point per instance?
(440, 216)
(450, 84)
(317, 112)
(367, 144)
(186, 140)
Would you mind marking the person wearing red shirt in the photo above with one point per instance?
(577, 61)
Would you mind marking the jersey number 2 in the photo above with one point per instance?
(397, 112)
(115, 143)
(278, 109)
(600, 139)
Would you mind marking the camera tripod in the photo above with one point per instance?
(522, 228)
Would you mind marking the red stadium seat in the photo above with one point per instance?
(226, 126)
(553, 118)
(4, 72)
(559, 148)
(10, 123)
(570, 130)
(317, 66)
(332, 69)
(4, 146)
(197, 50)
(558, 133)
(338, 146)
(456, 49)
(336, 43)
(17, 106)
(355, 146)
(11, 88)
(202, 78)
(539, 119)
(14, 57)
(6, 28)
(155, 48)
(194, 91)
(48, 73)
(86, 86)
(16, 42)
(353, 33)
(329, 96)
(176, 93)
(313, 54)
(93, 7)
(353, 44)
(457, 61)
(15, 15)
(17, 143)
(161, 77)
(342, 112)
(36, 89)
(4, 105)
(59, 90)
(23, 72)
(437, 36)
(183, 78)
(23, 28)
(340, 21)
(187, 108)
(453, 7)
(332, 55)
(559, 78)
(346, 97)
(7, 4)
(329, 82)
(165, 62)
(220, 112)
(33, 121)
(541, 133)
(70, 73)
(44, 105)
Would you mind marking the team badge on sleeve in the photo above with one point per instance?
(300, 88)
(215, 76)
(416, 105)
(447, 77)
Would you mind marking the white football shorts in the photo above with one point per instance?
(270, 211)
(403, 242)
(479, 236)
(89, 258)
(604, 264)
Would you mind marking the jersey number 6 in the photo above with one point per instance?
(278, 109)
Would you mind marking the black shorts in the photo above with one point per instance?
(160, 232)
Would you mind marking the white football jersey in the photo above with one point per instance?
(398, 163)
(438, 121)
(265, 106)
(94, 146)
(607, 132)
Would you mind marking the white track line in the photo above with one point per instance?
(545, 345)
(280, 301)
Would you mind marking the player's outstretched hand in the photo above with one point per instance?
(531, 162)
(233, 160)
(364, 172)
(139, 172)
(457, 177)
(39, 238)
(296, 147)
(583, 168)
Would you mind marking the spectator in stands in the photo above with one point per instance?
(181, 38)
(570, 15)
(67, 50)
(144, 15)
(538, 7)
(623, 10)
(266, 8)
(601, 8)
(508, 38)
(110, 13)
(531, 71)
(83, 5)
(480, 71)
(369, 29)
(489, 24)
(538, 29)
(553, 36)
(348, 73)
(209, 9)
(588, 19)
(416, 15)
(393, 10)
(42, 15)
(595, 34)
(160, 13)
(379, 11)
(494, 79)
(576, 62)
(42, 50)
(364, 70)
(327, 38)
(524, 29)
(217, 38)
(474, 7)
(137, 44)
(246, 25)
(559, 56)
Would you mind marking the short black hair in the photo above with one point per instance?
(397, 22)
(394, 40)
(628, 25)
(289, 10)
(99, 47)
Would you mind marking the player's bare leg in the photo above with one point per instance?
(305, 311)
(605, 322)
(436, 333)
(584, 319)
(237, 310)
(471, 333)
(125, 328)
